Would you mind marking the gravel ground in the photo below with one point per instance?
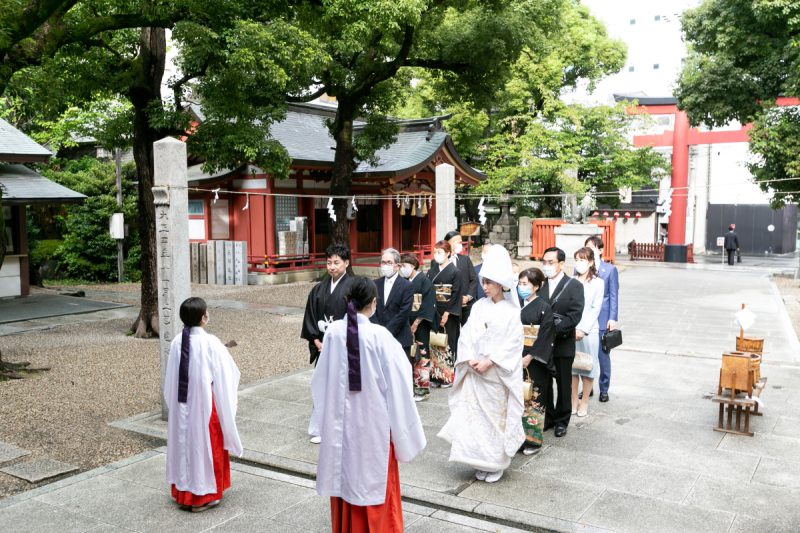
(99, 374)
(790, 291)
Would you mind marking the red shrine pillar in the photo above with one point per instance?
(387, 231)
(676, 231)
(269, 218)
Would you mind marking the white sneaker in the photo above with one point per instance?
(447, 385)
(420, 398)
(315, 440)
(491, 477)
(480, 475)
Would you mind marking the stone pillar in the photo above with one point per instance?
(172, 243)
(446, 219)
(524, 242)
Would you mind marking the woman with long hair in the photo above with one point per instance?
(587, 332)
(200, 392)
(364, 412)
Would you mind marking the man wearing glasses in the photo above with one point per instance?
(395, 296)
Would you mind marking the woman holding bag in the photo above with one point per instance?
(587, 332)
(537, 353)
(448, 290)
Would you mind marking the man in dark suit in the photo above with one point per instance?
(565, 296)
(609, 312)
(469, 278)
(731, 243)
(395, 296)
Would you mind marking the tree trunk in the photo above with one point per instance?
(343, 166)
(145, 93)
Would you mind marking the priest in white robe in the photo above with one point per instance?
(366, 415)
(486, 405)
(200, 390)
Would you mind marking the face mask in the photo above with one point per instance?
(524, 292)
(458, 248)
(439, 258)
(549, 270)
(406, 271)
(581, 266)
(387, 271)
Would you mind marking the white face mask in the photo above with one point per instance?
(387, 271)
(581, 266)
(549, 270)
(458, 248)
(439, 257)
(406, 271)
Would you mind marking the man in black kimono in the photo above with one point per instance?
(326, 302)
(466, 270)
(565, 296)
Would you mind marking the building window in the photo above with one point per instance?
(657, 18)
(630, 69)
(655, 66)
(197, 207)
(633, 21)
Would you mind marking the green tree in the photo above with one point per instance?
(743, 56)
(467, 47)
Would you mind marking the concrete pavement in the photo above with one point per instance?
(646, 461)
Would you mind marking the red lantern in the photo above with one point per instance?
(605, 213)
(616, 215)
(627, 215)
(638, 215)
(596, 213)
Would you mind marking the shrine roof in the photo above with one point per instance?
(305, 136)
(22, 185)
(16, 147)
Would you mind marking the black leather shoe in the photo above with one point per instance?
(561, 431)
(603, 396)
(548, 426)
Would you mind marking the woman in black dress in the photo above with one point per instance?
(447, 284)
(537, 355)
(422, 317)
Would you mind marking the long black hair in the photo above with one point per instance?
(361, 293)
(192, 312)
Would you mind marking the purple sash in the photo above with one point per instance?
(183, 370)
(353, 350)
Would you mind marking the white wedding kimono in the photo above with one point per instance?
(485, 424)
(211, 369)
(355, 426)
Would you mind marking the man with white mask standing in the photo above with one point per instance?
(609, 312)
(395, 296)
(565, 296)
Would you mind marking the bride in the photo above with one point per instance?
(484, 428)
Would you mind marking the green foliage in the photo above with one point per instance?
(743, 56)
(572, 151)
(86, 250)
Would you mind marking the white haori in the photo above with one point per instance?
(355, 426)
(485, 424)
(190, 466)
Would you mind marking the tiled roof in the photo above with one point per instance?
(22, 185)
(17, 147)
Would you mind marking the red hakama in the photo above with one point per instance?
(222, 467)
(386, 517)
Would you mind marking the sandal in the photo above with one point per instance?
(206, 507)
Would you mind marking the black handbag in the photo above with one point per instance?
(611, 339)
(738, 256)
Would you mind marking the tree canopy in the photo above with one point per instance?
(743, 56)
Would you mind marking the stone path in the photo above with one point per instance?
(130, 495)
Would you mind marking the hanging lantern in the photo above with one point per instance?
(605, 213)
(616, 215)
(596, 214)
(627, 214)
(638, 214)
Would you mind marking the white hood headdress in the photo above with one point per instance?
(497, 267)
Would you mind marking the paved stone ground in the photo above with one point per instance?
(646, 461)
(129, 496)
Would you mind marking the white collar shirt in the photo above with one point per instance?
(553, 283)
(388, 283)
(335, 283)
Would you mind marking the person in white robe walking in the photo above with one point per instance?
(200, 392)
(486, 405)
(364, 410)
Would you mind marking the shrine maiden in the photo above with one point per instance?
(200, 393)
(486, 403)
(366, 416)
